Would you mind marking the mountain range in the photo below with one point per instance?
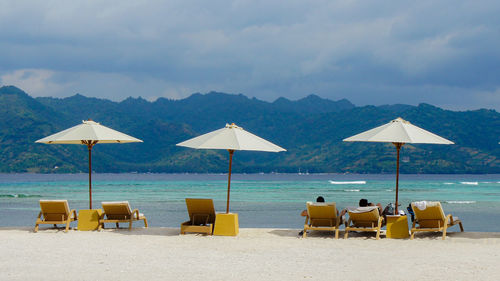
(311, 129)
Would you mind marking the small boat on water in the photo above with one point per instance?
(347, 182)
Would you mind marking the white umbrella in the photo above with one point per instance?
(399, 132)
(231, 138)
(89, 133)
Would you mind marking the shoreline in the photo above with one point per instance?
(250, 174)
(161, 253)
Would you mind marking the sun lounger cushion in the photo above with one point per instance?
(55, 212)
(120, 211)
(321, 216)
(360, 210)
(432, 218)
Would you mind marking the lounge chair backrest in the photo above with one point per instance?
(119, 210)
(431, 216)
(364, 216)
(201, 211)
(54, 210)
(322, 214)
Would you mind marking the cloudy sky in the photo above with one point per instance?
(445, 53)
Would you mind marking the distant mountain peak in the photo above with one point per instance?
(282, 100)
(135, 100)
(311, 97)
(313, 104)
(12, 90)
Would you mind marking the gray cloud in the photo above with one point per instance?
(444, 53)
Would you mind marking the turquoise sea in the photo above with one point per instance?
(261, 200)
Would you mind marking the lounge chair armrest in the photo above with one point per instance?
(449, 219)
(380, 221)
(136, 211)
(74, 213)
(101, 216)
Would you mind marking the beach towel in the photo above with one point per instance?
(359, 210)
(318, 203)
(421, 205)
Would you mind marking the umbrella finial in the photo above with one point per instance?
(90, 122)
(399, 119)
(233, 126)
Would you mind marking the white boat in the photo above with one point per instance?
(347, 182)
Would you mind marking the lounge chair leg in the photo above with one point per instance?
(337, 233)
(461, 227)
(145, 223)
(36, 228)
(412, 236)
(444, 232)
(346, 234)
(379, 226)
(117, 225)
(67, 226)
(304, 233)
(130, 225)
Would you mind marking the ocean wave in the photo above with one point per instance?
(447, 183)
(20, 195)
(347, 182)
(351, 190)
(460, 202)
(469, 182)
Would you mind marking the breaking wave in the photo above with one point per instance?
(460, 202)
(469, 182)
(19, 195)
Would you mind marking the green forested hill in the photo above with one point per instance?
(311, 129)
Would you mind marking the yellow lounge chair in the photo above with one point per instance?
(201, 216)
(364, 219)
(55, 212)
(432, 218)
(321, 216)
(118, 212)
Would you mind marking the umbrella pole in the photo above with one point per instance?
(231, 152)
(398, 148)
(90, 144)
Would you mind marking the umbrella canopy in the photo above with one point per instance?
(88, 133)
(399, 132)
(231, 138)
(88, 130)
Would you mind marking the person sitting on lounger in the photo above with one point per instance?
(365, 203)
(320, 199)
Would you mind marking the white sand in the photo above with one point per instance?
(256, 254)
